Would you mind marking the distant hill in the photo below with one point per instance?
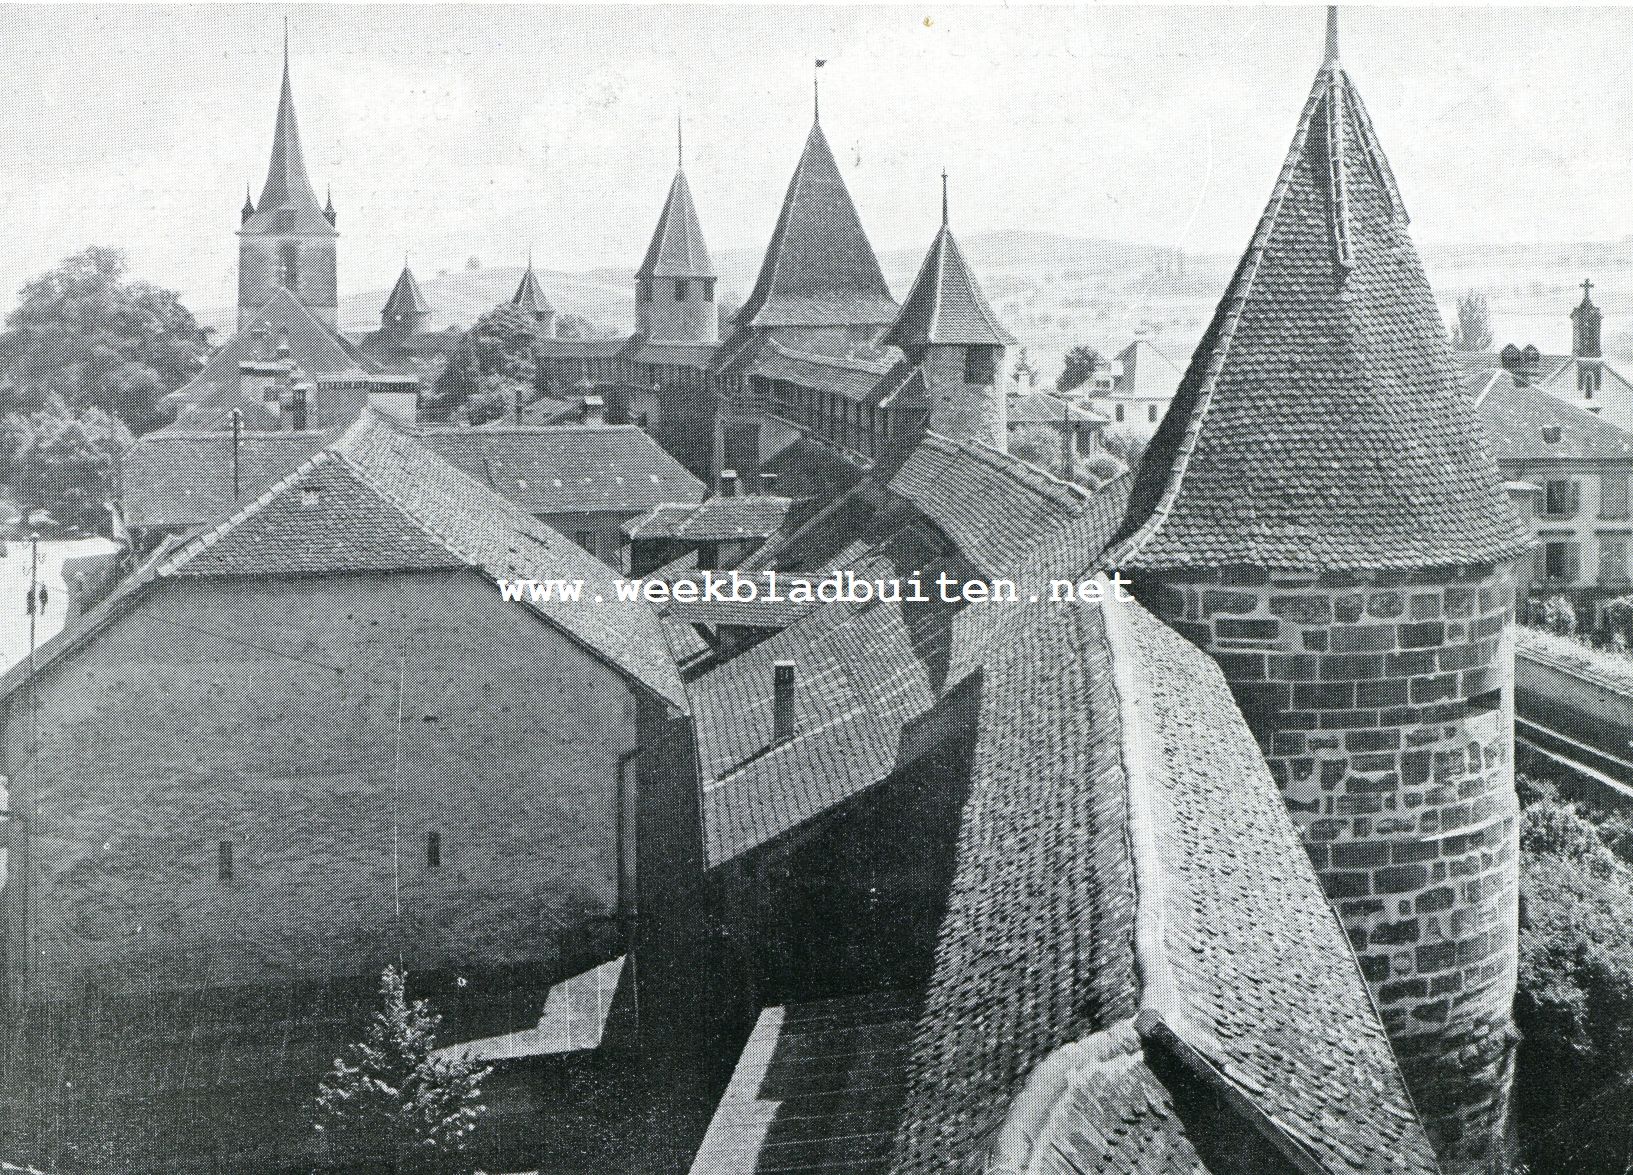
(1056, 292)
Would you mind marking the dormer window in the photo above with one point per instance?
(1551, 433)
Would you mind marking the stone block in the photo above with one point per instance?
(1346, 885)
(1216, 602)
(1232, 628)
(1363, 638)
(1401, 879)
(1302, 609)
(1347, 609)
(1425, 635)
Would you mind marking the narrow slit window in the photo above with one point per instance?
(433, 850)
(223, 860)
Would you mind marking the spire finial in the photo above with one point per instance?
(286, 46)
(1587, 288)
(944, 197)
(816, 90)
(530, 258)
(1331, 57)
(680, 144)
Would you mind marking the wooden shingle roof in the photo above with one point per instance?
(287, 189)
(677, 248)
(1321, 424)
(946, 305)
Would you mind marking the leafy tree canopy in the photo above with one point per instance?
(85, 336)
(1081, 364)
(1473, 329)
(64, 462)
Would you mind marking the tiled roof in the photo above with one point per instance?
(556, 348)
(818, 1088)
(316, 350)
(751, 516)
(287, 187)
(378, 500)
(1321, 424)
(946, 305)
(809, 469)
(698, 355)
(1042, 408)
(856, 377)
(1519, 420)
(1129, 893)
(677, 248)
(529, 295)
(819, 269)
(177, 480)
(405, 297)
(568, 468)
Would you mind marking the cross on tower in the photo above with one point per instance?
(1587, 286)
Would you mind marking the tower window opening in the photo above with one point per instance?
(433, 850)
(708, 289)
(980, 365)
(223, 860)
(682, 289)
(288, 266)
(644, 290)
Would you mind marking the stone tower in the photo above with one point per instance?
(947, 329)
(1320, 511)
(406, 310)
(674, 287)
(287, 239)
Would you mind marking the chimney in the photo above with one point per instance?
(594, 410)
(782, 701)
(1524, 365)
(768, 483)
(728, 483)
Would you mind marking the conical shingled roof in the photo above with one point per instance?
(1321, 424)
(945, 305)
(677, 248)
(529, 295)
(287, 187)
(405, 297)
(819, 269)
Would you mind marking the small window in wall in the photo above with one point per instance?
(1560, 561)
(1151, 414)
(1613, 558)
(288, 266)
(1119, 411)
(223, 860)
(708, 289)
(433, 850)
(981, 365)
(643, 290)
(682, 289)
(585, 539)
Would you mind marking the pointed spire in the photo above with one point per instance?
(249, 205)
(287, 186)
(1329, 317)
(1331, 56)
(677, 248)
(329, 204)
(819, 269)
(529, 295)
(406, 300)
(946, 307)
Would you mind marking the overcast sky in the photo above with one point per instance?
(452, 131)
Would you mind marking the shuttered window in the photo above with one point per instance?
(1613, 494)
(1561, 498)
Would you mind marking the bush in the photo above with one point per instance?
(1558, 616)
(1619, 619)
(1574, 1006)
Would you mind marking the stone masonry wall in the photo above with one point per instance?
(1384, 706)
(210, 713)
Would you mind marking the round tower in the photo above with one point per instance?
(1321, 513)
(674, 287)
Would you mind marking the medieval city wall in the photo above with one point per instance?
(264, 714)
(1384, 706)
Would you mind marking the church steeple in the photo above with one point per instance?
(286, 239)
(529, 298)
(1585, 323)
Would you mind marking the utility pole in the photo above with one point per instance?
(237, 431)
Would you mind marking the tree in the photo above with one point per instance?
(1081, 364)
(64, 462)
(576, 326)
(392, 1100)
(1574, 1006)
(84, 335)
(494, 363)
(1128, 447)
(1619, 619)
(1559, 616)
(1473, 330)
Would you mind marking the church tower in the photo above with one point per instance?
(287, 239)
(1321, 512)
(947, 330)
(1585, 347)
(674, 287)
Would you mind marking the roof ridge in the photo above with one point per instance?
(872, 366)
(1028, 474)
(205, 539)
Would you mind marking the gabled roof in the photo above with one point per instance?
(1146, 371)
(376, 500)
(314, 348)
(1519, 421)
(287, 188)
(529, 295)
(405, 298)
(567, 468)
(174, 480)
(819, 269)
(749, 516)
(1321, 424)
(677, 248)
(946, 305)
(1042, 408)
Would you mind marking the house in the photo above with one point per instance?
(721, 531)
(1568, 469)
(1584, 377)
(1134, 391)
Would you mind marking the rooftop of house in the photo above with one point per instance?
(819, 269)
(1042, 408)
(719, 519)
(1321, 424)
(405, 298)
(1526, 423)
(375, 499)
(567, 468)
(174, 480)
